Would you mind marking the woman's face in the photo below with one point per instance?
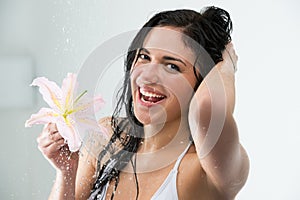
(162, 78)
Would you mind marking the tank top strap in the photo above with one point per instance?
(181, 156)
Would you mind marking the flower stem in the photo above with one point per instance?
(83, 93)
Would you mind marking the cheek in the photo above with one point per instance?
(182, 89)
(134, 74)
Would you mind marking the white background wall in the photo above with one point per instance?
(59, 35)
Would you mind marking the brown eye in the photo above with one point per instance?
(173, 67)
(143, 56)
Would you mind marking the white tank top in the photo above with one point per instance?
(168, 189)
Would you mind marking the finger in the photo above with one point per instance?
(44, 140)
(55, 136)
(52, 149)
(48, 129)
(52, 128)
(49, 126)
(60, 144)
(231, 50)
(230, 46)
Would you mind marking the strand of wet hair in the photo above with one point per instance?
(135, 176)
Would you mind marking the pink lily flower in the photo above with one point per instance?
(71, 115)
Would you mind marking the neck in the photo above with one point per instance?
(161, 146)
(157, 136)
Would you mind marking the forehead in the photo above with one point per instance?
(169, 39)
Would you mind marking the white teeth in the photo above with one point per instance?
(149, 94)
(146, 101)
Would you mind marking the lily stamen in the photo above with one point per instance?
(83, 93)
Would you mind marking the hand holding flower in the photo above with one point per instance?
(68, 112)
(54, 148)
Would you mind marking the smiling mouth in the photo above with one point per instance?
(150, 97)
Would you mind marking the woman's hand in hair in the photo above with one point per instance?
(230, 58)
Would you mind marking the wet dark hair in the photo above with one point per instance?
(211, 29)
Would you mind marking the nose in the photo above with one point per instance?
(149, 75)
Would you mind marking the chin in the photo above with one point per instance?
(155, 119)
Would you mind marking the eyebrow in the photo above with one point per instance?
(164, 57)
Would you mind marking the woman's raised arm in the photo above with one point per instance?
(214, 130)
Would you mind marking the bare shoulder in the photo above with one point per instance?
(106, 122)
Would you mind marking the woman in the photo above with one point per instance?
(178, 139)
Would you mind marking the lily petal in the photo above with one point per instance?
(70, 134)
(44, 116)
(98, 103)
(52, 94)
(85, 124)
(68, 88)
(89, 105)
